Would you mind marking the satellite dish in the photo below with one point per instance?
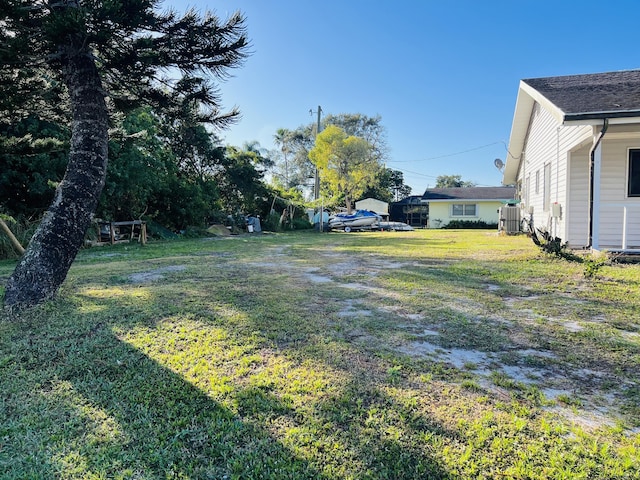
(499, 164)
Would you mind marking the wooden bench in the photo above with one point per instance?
(110, 233)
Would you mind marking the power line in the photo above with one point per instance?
(435, 176)
(450, 154)
(416, 173)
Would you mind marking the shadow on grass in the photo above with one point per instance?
(391, 437)
(82, 404)
(79, 402)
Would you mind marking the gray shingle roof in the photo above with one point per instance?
(410, 200)
(470, 193)
(590, 96)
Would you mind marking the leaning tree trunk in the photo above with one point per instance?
(60, 235)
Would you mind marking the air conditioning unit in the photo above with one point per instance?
(510, 219)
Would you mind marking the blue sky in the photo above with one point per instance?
(443, 75)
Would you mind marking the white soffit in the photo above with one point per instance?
(527, 97)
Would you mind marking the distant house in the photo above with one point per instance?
(475, 204)
(373, 205)
(412, 210)
(574, 155)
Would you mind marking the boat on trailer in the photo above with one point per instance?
(359, 220)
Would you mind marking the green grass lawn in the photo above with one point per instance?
(388, 355)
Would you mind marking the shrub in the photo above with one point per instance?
(301, 224)
(272, 223)
(553, 245)
(593, 265)
(470, 224)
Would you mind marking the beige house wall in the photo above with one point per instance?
(440, 212)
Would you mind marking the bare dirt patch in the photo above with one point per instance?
(156, 274)
(524, 356)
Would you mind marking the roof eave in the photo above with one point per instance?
(596, 118)
(525, 102)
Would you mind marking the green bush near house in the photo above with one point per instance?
(470, 224)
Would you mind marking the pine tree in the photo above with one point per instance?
(92, 58)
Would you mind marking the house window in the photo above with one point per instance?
(463, 210)
(537, 181)
(633, 188)
(547, 187)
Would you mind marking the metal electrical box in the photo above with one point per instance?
(510, 219)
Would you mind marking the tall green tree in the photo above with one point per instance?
(292, 159)
(452, 181)
(241, 181)
(284, 140)
(365, 127)
(96, 48)
(142, 172)
(292, 168)
(388, 186)
(165, 168)
(345, 164)
(397, 186)
(197, 151)
(33, 155)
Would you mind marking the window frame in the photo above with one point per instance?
(631, 171)
(464, 209)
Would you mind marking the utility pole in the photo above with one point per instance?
(316, 186)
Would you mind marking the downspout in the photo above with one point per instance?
(592, 154)
(556, 219)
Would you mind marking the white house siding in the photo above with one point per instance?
(573, 159)
(540, 149)
(613, 196)
(440, 212)
(576, 212)
(548, 143)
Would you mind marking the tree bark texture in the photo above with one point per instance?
(55, 244)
